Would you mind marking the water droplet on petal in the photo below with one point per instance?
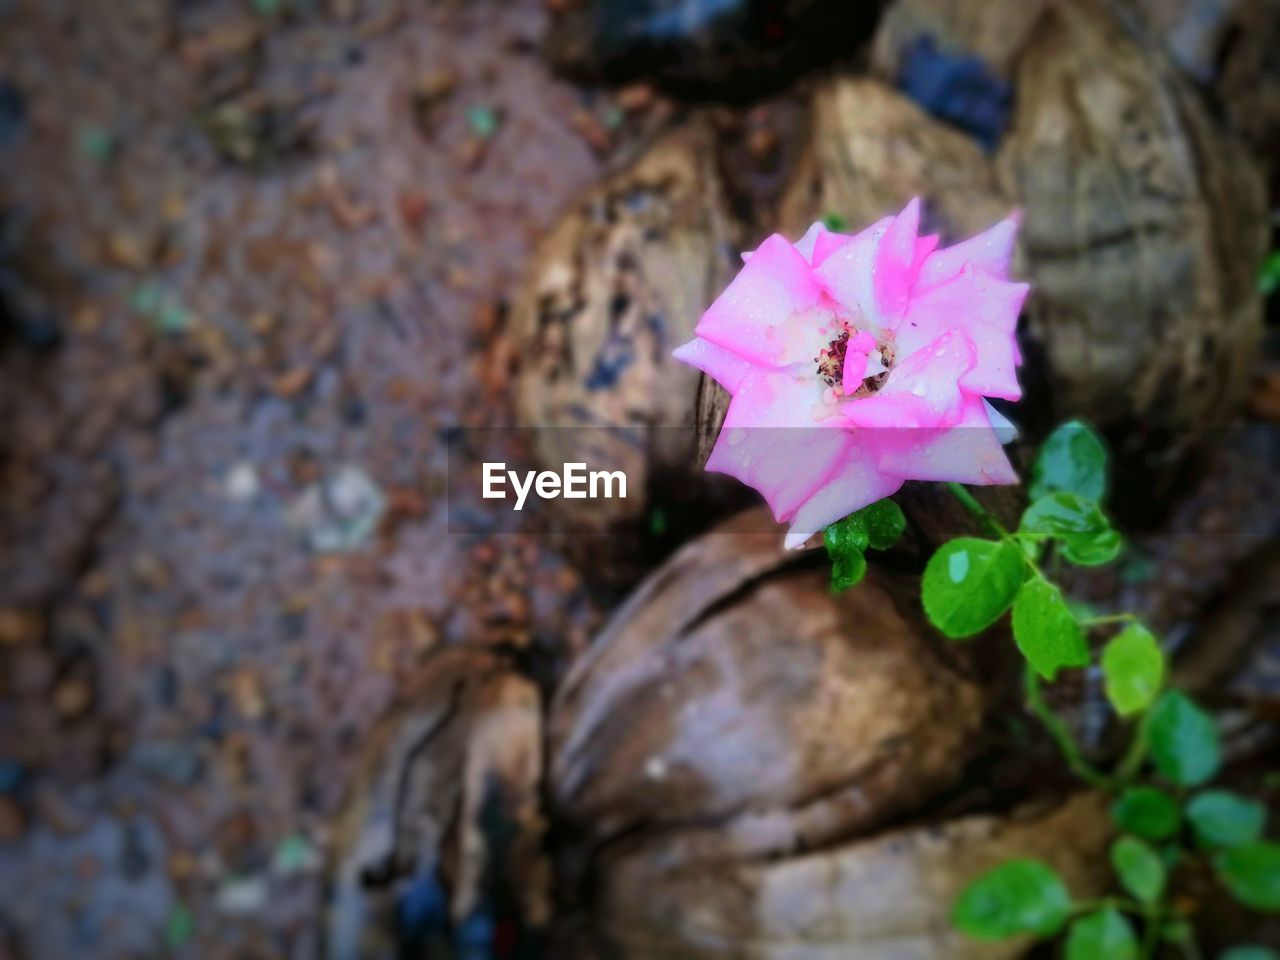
(958, 566)
(736, 436)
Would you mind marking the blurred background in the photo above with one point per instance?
(270, 686)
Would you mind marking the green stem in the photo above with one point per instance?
(1136, 755)
(1109, 618)
(968, 501)
(1081, 767)
(1151, 934)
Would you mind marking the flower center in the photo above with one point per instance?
(831, 360)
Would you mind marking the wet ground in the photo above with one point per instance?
(247, 256)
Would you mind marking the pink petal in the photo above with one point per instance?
(723, 366)
(854, 482)
(986, 310)
(921, 391)
(925, 246)
(856, 353)
(771, 439)
(807, 243)
(848, 275)
(968, 452)
(991, 250)
(827, 244)
(762, 315)
(895, 261)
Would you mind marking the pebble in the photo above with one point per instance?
(175, 761)
(72, 698)
(242, 896)
(241, 483)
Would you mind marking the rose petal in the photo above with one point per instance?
(723, 366)
(854, 482)
(848, 276)
(986, 310)
(991, 251)
(827, 244)
(895, 262)
(968, 452)
(773, 441)
(921, 391)
(766, 315)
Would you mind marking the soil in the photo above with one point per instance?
(249, 251)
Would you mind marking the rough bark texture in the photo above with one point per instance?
(735, 698)
(616, 285)
(453, 786)
(1144, 227)
(886, 896)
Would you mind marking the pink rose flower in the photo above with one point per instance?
(856, 363)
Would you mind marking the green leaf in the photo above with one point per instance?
(1251, 872)
(1248, 951)
(1020, 896)
(1269, 274)
(1177, 930)
(834, 221)
(846, 535)
(1132, 669)
(1147, 812)
(1103, 934)
(1184, 741)
(179, 927)
(877, 526)
(1077, 522)
(1139, 867)
(1093, 551)
(1064, 514)
(885, 523)
(1221, 818)
(1074, 459)
(969, 583)
(847, 569)
(1045, 631)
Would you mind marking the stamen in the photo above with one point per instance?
(830, 360)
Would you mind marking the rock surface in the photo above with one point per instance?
(733, 697)
(889, 895)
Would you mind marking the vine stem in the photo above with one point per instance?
(970, 503)
(1109, 618)
(1076, 761)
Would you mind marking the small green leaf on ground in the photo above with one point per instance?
(1139, 867)
(1251, 872)
(1021, 896)
(1045, 631)
(1221, 818)
(969, 583)
(1147, 812)
(1073, 458)
(1133, 669)
(1249, 951)
(1103, 934)
(179, 927)
(1184, 740)
(483, 121)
